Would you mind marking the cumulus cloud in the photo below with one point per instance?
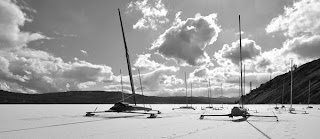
(144, 62)
(161, 81)
(200, 72)
(11, 19)
(154, 13)
(85, 85)
(262, 63)
(23, 69)
(158, 79)
(306, 47)
(302, 18)
(171, 81)
(42, 72)
(250, 50)
(300, 24)
(185, 41)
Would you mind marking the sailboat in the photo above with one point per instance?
(291, 108)
(276, 107)
(186, 107)
(209, 96)
(122, 106)
(221, 96)
(141, 88)
(219, 108)
(239, 111)
(282, 95)
(309, 98)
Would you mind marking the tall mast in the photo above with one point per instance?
(210, 92)
(128, 61)
(221, 95)
(291, 85)
(185, 80)
(141, 87)
(122, 87)
(282, 92)
(241, 91)
(208, 95)
(191, 95)
(309, 94)
(244, 79)
(250, 87)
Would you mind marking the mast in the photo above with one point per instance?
(210, 92)
(122, 87)
(244, 79)
(250, 87)
(221, 95)
(282, 92)
(128, 61)
(191, 94)
(309, 94)
(241, 91)
(208, 95)
(291, 85)
(141, 88)
(185, 80)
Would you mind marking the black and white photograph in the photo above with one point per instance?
(159, 69)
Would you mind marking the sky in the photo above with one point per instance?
(63, 45)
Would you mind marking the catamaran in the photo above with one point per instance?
(122, 106)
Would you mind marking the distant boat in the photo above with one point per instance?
(282, 95)
(186, 107)
(219, 108)
(209, 95)
(291, 108)
(309, 97)
(221, 96)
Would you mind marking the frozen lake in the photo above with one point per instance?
(68, 121)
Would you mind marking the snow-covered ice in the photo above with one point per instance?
(68, 121)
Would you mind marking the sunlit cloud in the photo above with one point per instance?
(144, 62)
(250, 50)
(300, 24)
(35, 71)
(300, 19)
(185, 42)
(11, 19)
(153, 11)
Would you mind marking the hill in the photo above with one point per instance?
(271, 91)
(97, 97)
